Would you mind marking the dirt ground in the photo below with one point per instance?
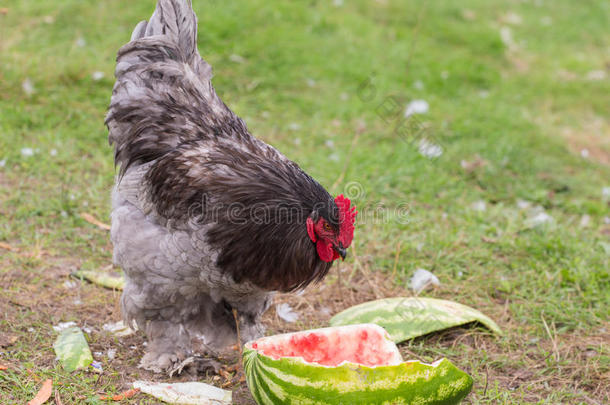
(41, 300)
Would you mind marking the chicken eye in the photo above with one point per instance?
(327, 226)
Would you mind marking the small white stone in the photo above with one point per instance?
(334, 157)
(584, 221)
(429, 149)
(479, 206)
(417, 107)
(584, 153)
(444, 75)
(418, 85)
(512, 18)
(506, 35)
(310, 82)
(3, 163)
(606, 192)
(97, 75)
(53, 152)
(344, 96)
(546, 20)
(111, 353)
(28, 87)
(80, 42)
(523, 204)
(294, 126)
(540, 219)
(338, 3)
(329, 143)
(27, 152)
(597, 75)
(236, 58)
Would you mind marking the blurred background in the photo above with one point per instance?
(479, 129)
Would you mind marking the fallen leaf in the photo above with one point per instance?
(58, 399)
(123, 395)
(4, 11)
(43, 394)
(195, 393)
(7, 340)
(3, 367)
(6, 246)
(92, 220)
(409, 317)
(488, 240)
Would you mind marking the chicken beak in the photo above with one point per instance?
(341, 250)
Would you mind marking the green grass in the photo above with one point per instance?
(314, 72)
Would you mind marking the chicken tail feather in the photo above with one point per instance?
(163, 95)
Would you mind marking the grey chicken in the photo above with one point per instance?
(206, 219)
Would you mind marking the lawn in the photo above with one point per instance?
(500, 188)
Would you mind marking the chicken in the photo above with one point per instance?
(207, 221)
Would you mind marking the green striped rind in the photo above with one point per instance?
(408, 317)
(293, 381)
(112, 281)
(72, 349)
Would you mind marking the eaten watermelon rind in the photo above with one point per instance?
(292, 380)
(409, 317)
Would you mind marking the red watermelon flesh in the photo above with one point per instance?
(368, 345)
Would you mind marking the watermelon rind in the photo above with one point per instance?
(409, 317)
(292, 380)
(72, 350)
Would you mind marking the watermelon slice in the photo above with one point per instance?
(354, 364)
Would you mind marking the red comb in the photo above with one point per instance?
(347, 217)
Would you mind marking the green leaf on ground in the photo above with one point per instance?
(409, 317)
(72, 349)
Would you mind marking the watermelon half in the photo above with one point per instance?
(354, 364)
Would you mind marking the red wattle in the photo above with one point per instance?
(326, 251)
